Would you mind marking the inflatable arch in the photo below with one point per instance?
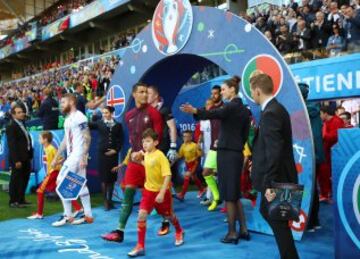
(167, 54)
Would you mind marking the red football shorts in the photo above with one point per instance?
(49, 183)
(134, 175)
(191, 166)
(148, 203)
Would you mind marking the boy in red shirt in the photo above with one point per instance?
(330, 137)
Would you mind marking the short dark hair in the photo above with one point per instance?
(233, 83)
(187, 132)
(137, 85)
(77, 84)
(154, 88)
(150, 133)
(16, 106)
(111, 109)
(327, 109)
(47, 135)
(347, 115)
(216, 87)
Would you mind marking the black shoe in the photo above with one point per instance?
(25, 203)
(106, 205)
(229, 240)
(165, 229)
(245, 236)
(16, 205)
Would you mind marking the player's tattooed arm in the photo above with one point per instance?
(86, 146)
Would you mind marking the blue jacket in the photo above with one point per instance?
(316, 126)
(49, 113)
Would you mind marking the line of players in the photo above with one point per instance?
(152, 133)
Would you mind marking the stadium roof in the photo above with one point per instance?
(12, 9)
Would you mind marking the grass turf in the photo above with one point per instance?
(50, 207)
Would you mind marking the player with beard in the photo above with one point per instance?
(210, 164)
(168, 141)
(76, 142)
(138, 119)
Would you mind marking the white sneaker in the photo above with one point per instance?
(82, 220)
(62, 221)
(35, 216)
(77, 213)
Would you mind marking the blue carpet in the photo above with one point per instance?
(23, 238)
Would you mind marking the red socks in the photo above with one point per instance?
(198, 183)
(176, 224)
(185, 185)
(40, 203)
(141, 233)
(76, 205)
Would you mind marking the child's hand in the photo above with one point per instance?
(137, 156)
(117, 168)
(159, 198)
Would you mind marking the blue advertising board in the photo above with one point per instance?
(38, 165)
(330, 78)
(85, 14)
(346, 188)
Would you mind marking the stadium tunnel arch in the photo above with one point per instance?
(238, 48)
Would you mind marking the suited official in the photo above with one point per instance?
(273, 159)
(110, 142)
(20, 155)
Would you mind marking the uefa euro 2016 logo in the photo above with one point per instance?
(172, 25)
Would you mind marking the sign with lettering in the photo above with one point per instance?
(330, 78)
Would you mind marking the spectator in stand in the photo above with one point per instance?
(346, 117)
(335, 43)
(302, 38)
(291, 19)
(269, 36)
(355, 4)
(80, 99)
(321, 31)
(49, 111)
(261, 24)
(293, 5)
(308, 16)
(284, 40)
(352, 28)
(334, 15)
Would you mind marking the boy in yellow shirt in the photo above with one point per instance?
(49, 182)
(156, 193)
(190, 152)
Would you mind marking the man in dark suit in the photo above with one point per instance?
(49, 111)
(273, 159)
(20, 155)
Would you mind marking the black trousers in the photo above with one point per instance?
(314, 212)
(18, 182)
(282, 232)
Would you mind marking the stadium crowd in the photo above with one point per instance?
(312, 25)
(93, 76)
